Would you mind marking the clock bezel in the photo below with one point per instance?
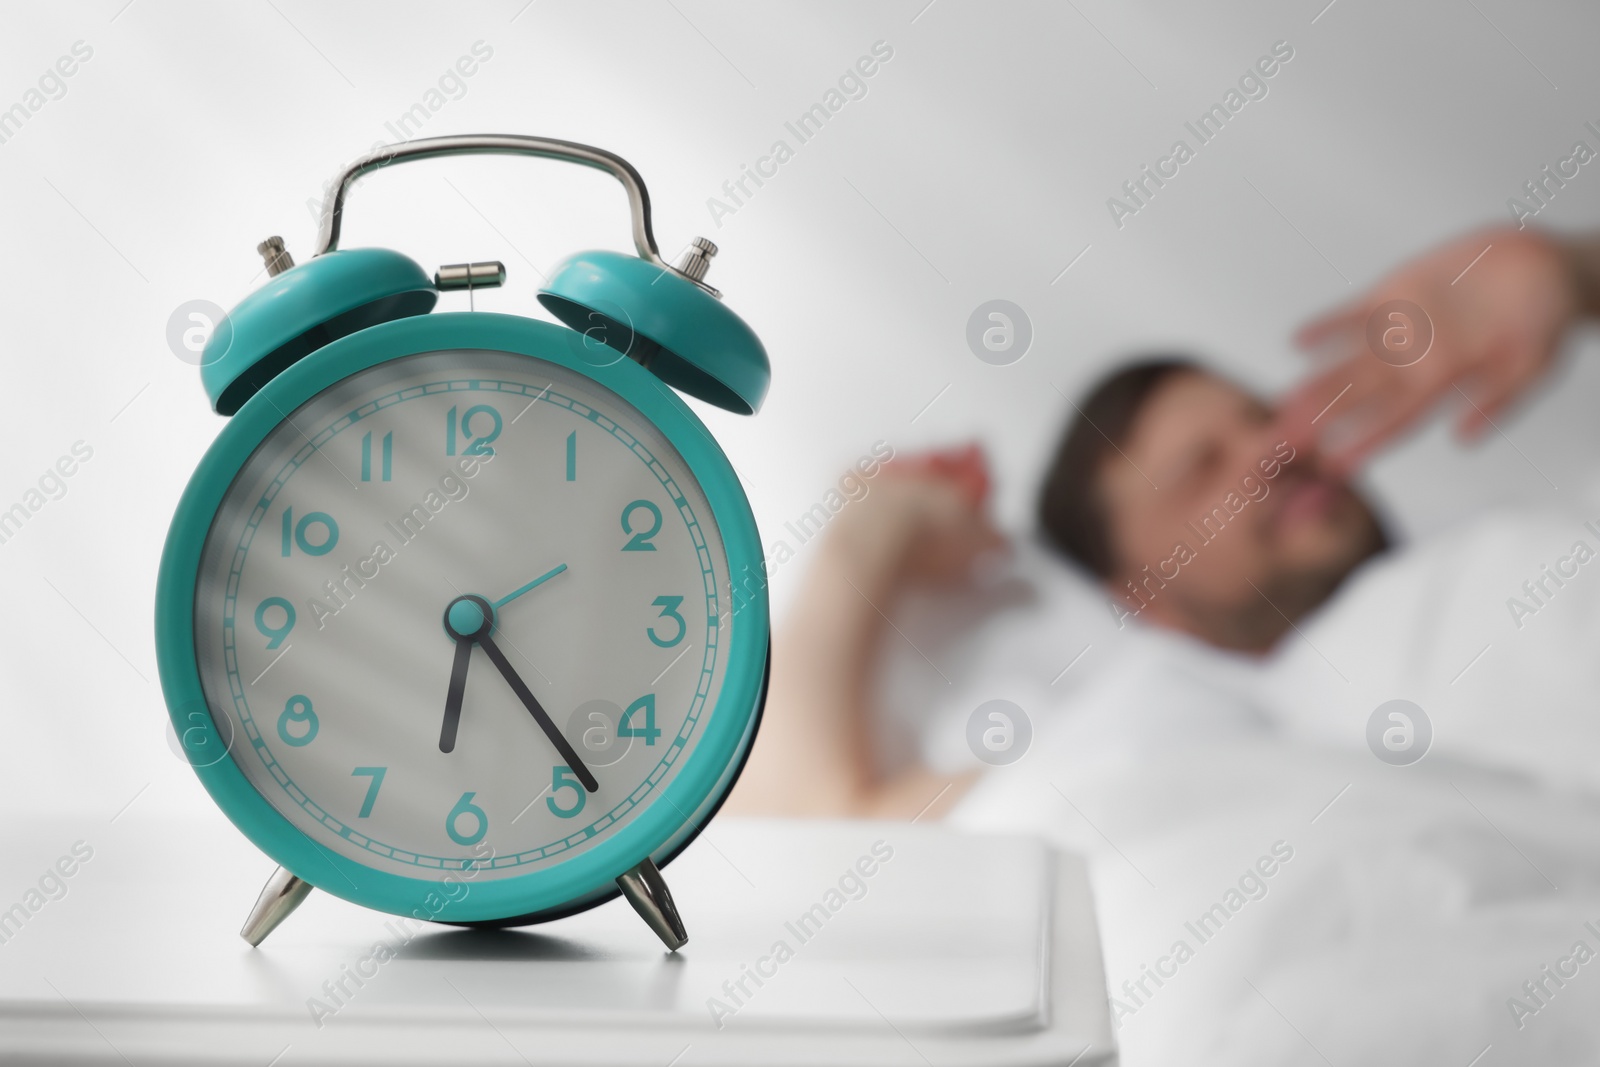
(707, 773)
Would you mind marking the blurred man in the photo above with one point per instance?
(1198, 506)
(1177, 490)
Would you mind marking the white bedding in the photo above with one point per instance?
(1418, 900)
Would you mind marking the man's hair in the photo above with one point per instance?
(1072, 510)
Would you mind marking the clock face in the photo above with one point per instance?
(482, 515)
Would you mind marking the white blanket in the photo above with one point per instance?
(1410, 912)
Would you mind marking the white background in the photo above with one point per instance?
(977, 166)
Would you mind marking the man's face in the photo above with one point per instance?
(1209, 502)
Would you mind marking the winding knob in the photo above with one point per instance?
(275, 256)
(697, 260)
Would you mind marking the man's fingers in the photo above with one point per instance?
(1496, 389)
(1385, 417)
(1333, 324)
(1331, 396)
(1302, 404)
(989, 535)
(963, 467)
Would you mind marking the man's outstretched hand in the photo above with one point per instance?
(1496, 318)
(926, 521)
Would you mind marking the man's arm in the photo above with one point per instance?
(1498, 301)
(814, 754)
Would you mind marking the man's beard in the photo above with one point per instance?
(1297, 593)
(1278, 601)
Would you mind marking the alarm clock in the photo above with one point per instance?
(463, 616)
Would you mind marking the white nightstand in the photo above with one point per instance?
(810, 943)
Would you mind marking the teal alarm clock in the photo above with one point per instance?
(463, 616)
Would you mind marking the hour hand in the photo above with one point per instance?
(452, 700)
(540, 716)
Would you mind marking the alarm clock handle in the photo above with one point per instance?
(496, 144)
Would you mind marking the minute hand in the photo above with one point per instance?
(540, 716)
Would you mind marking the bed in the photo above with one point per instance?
(1270, 890)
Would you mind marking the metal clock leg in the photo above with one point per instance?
(281, 895)
(648, 893)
